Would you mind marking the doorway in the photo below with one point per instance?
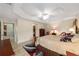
(9, 31)
(0, 36)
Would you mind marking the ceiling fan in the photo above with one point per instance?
(49, 13)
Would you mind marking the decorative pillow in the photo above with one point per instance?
(66, 37)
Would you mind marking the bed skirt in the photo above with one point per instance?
(48, 52)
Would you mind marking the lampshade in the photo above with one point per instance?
(72, 30)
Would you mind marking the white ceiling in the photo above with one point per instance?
(31, 11)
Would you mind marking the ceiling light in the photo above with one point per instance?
(45, 17)
(46, 14)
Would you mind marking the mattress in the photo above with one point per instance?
(53, 43)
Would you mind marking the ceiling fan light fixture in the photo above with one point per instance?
(45, 17)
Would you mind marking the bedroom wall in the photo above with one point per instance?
(25, 30)
(78, 21)
(62, 25)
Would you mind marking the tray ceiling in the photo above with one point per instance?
(39, 11)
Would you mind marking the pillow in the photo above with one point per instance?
(75, 38)
(65, 38)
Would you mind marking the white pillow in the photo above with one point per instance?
(75, 38)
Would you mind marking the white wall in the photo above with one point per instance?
(25, 30)
(78, 21)
(61, 26)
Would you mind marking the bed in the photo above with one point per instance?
(53, 43)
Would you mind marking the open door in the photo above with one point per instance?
(34, 34)
(0, 35)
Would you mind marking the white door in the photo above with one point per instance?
(10, 31)
(1, 33)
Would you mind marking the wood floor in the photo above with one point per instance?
(6, 48)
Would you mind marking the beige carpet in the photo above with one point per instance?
(18, 49)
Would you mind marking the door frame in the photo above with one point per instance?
(14, 31)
